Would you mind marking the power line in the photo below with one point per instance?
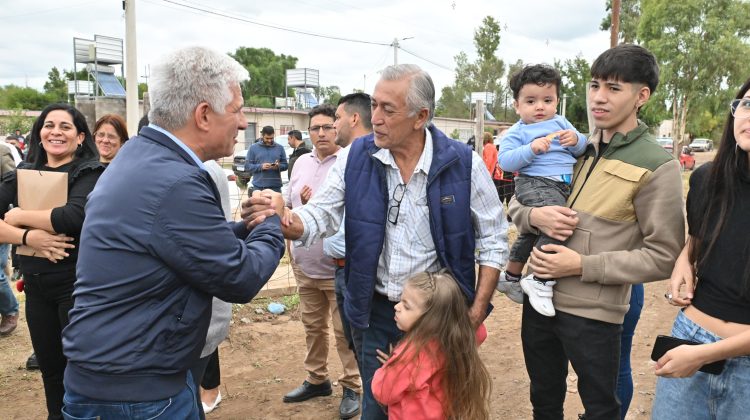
(242, 19)
(424, 59)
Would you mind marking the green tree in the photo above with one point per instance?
(483, 75)
(700, 45)
(267, 74)
(576, 74)
(56, 87)
(16, 97)
(329, 95)
(630, 14)
(15, 121)
(454, 99)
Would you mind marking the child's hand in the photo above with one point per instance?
(568, 138)
(382, 356)
(541, 145)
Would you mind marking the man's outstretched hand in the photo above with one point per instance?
(260, 205)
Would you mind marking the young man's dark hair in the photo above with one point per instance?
(296, 134)
(538, 74)
(627, 63)
(142, 122)
(359, 103)
(267, 130)
(324, 109)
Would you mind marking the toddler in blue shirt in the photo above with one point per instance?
(542, 146)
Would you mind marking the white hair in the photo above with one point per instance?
(421, 93)
(185, 78)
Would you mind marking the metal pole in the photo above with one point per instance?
(395, 51)
(564, 102)
(131, 68)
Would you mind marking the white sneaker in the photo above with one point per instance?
(540, 294)
(209, 408)
(512, 289)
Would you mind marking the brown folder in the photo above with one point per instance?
(40, 190)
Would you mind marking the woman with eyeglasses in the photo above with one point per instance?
(110, 133)
(711, 281)
(60, 141)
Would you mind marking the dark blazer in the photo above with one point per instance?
(155, 248)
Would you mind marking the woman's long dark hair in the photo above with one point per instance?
(37, 157)
(729, 167)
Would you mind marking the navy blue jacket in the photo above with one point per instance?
(155, 248)
(366, 198)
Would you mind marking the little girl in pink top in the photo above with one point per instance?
(435, 371)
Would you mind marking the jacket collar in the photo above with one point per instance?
(442, 152)
(619, 139)
(163, 140)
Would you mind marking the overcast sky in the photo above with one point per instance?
(38, 34)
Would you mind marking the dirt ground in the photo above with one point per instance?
(262, 360)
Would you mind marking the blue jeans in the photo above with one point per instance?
(340, 286)
(703, 395)
(379, 335)
(8, 302)
(183, 405)
(625, 378)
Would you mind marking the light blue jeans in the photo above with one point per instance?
(8, 302)
(703, 395)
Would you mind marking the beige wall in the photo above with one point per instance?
(94, 108)
(257, 118)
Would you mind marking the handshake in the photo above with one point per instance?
(260, 205)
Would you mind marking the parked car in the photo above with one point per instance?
(667, 143)
(687, 161)
(238, 165)
(701, 145)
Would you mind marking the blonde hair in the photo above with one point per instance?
(466, 381)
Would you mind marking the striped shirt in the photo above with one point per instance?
(408, 247)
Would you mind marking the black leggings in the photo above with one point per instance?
(212, 375)
(49, 297)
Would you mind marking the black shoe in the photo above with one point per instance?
(31, 362)
(349, 406)
(307, 390)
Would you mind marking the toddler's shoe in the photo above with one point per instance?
(540, 294)
(512, 289)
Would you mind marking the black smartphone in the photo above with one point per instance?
(664, 343)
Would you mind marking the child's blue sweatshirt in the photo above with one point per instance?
(516, 154)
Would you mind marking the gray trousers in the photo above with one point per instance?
(537, 192)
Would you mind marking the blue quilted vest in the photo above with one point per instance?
(366, 198)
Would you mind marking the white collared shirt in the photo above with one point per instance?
(408, 247)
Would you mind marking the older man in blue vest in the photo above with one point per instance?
(415, 201)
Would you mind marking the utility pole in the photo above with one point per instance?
(564, 103)
(614, 34)
(479, 126)
(131, 68)
(395, 51)
(396, 46)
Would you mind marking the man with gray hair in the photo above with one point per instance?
(155, 248)
(415, 201)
